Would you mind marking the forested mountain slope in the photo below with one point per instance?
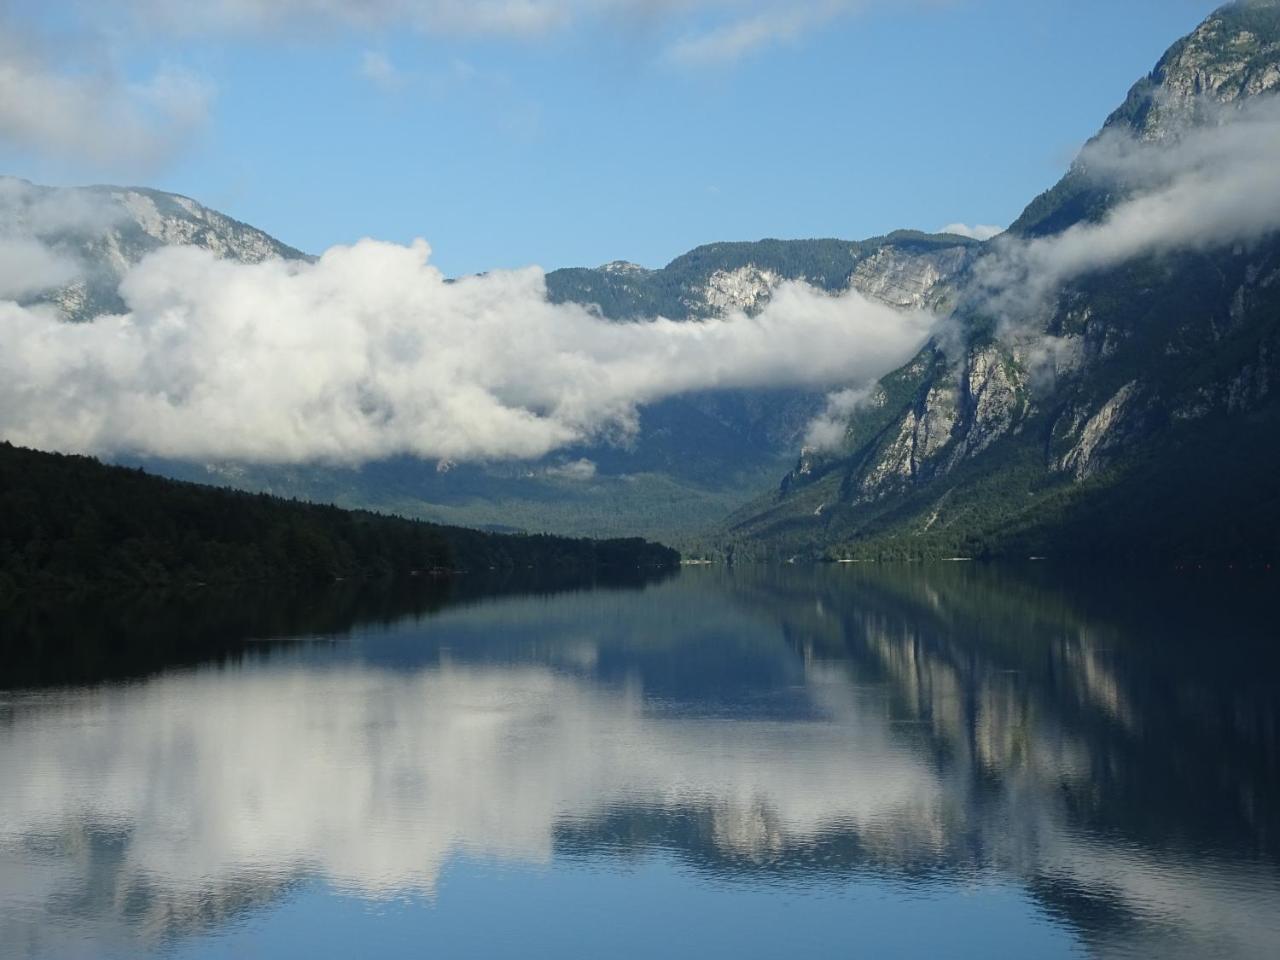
(72, 522)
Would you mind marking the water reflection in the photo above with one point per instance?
(1095, 745)
(54, 640)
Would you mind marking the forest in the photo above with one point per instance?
(72, 522)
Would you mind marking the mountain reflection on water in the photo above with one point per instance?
(1108, 750)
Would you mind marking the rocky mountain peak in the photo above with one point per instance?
(107, 229)
(1232, 55)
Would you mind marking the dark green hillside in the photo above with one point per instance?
(71, 521)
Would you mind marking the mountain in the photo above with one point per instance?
(695, 458)
(1152, 431)
(1107, 424)
(903, 269)
(106, 230)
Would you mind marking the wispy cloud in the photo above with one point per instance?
(739, 29)
(828, 430)
(82, 110)
(706, 31)
(1208, 188)
(774, 24)
(377, 68)
(511, 17)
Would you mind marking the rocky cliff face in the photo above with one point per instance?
(1233, 55)
(105, 230)
(910, 278)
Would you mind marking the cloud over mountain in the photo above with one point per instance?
(371, 352)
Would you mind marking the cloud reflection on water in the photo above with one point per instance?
(793, 733)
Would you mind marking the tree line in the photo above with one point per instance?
(70, 521)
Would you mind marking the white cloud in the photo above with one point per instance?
(1210, 187)
(978, 231)
(369, 352)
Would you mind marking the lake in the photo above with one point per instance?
(927, 761)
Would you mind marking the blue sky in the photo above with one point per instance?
(595, 135)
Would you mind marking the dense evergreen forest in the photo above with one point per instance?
(70, 521)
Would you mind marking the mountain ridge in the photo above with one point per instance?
(695, 457)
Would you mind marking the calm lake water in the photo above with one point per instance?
(913, 761)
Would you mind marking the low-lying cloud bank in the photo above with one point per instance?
(372, 352)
